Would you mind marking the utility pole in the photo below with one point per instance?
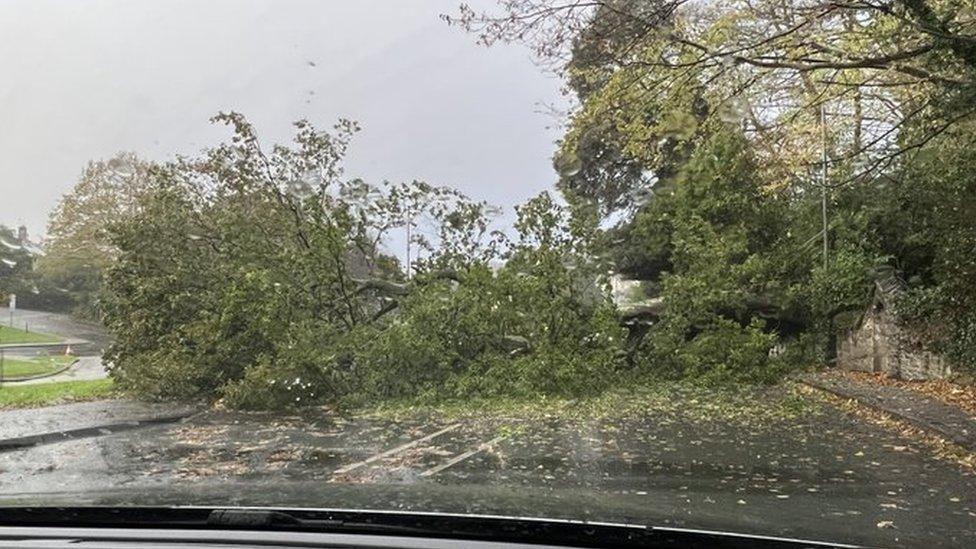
(823, 180)
(831, 351)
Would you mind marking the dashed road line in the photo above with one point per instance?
(461, 457)
(392, 451)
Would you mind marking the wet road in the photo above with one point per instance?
(820, 474)
(85, 340)
(94, 337)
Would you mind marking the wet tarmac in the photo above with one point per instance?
(821, 475)
(85, 340)
(89, 338)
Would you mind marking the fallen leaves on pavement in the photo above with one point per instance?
(940, 447)
(953, 394)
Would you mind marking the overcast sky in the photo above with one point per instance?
(81, 80)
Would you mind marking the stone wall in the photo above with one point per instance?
(878, 345)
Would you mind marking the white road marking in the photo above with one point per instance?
(461, 457)
(398, 449)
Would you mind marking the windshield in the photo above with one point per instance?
(690, 263)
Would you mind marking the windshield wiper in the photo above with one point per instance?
(264, 519)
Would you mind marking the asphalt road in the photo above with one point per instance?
(822, 474)
(85, 340)
(63, 326)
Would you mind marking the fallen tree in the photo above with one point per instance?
(243, 277)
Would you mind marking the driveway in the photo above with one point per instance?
(818, 473)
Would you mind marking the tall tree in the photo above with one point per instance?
(771, 64)
(78, 247)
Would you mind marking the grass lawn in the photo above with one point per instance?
(27, 396)
(15, 335)
(14, 368)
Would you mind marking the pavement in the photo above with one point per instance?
(817, 473)
(25, 428)
(922, 411)
(86, 340)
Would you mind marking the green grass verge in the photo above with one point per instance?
(14, 335)
(42, 394)
(16, 368)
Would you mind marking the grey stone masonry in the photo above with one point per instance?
(878, 345)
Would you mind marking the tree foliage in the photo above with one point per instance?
(77, 248)
(852, 118)
(260, 277)
(757, 163)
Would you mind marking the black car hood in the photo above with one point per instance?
(496, 501)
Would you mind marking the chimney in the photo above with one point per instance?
(22, 235)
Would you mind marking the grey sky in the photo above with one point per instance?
(81, 80)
